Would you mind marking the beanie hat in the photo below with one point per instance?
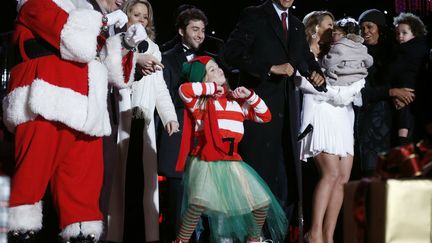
(194, 70)
(374, 16)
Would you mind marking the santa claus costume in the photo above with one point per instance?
(57, 107)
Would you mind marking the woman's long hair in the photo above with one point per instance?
(127, 8)
(311, 21)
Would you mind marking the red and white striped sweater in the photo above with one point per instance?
(230, 113)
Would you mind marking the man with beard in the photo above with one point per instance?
(190, 24)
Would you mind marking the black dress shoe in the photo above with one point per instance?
(82, 239)
(21, 237)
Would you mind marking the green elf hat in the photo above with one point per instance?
(194, 70)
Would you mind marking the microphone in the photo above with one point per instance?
(307, 130)
(303, 68)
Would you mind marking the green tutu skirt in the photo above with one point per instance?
(229, 191)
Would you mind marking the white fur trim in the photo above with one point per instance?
(20, 3)
(66, 5)
(87, 228)
(113, 61)
(82, 113)
(69, 5)
(15, 107)
(81, 4)
(58, 104)
(87, 114)
(97, 122)
(78, 39)
(26, 217)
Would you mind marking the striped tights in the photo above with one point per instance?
(260, 216)
(193, 213)
(189, 222)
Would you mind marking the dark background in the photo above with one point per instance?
(223, 14)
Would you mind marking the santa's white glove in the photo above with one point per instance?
(135, 34)
(118, 17)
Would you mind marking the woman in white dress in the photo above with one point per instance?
(331, 143)
(136, 105)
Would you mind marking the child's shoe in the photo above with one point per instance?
(261, 241)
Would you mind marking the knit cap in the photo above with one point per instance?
(195, 69)
(374, 16)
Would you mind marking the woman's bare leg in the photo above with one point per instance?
(336, 199)
(328, 165)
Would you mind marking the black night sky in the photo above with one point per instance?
(223, 14)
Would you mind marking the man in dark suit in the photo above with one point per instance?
(268, 45)
(190, 24)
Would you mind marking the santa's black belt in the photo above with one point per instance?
(35, 48)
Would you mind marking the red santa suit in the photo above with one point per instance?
(57, 107)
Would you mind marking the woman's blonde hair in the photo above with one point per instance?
(127, 8)
(312, 20)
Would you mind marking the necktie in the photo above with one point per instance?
(284, 16)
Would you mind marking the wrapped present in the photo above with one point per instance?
(425, 152)
(392, 211)
(399, 162)
(406, 161)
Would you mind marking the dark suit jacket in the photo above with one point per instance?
(169, 146)
(254, 46)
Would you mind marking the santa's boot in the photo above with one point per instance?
(21, 237)
(82, 239)
(83, 232)
(24, 222)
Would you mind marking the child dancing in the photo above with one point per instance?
(217, 182)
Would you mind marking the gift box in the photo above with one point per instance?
(392, 211)
(399, 162)
(406, 161)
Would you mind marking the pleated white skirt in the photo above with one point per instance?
(333, 128)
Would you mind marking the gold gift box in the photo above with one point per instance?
(396, 211)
